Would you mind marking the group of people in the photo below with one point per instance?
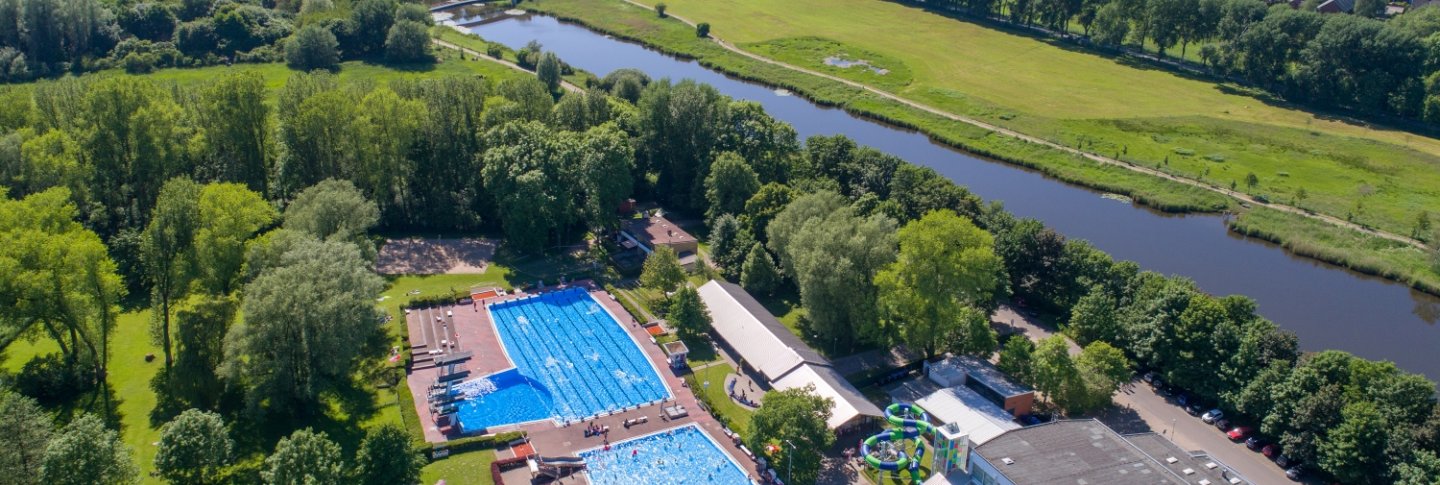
(595, 429)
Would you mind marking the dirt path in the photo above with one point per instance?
(563, 83)
(1015, 134)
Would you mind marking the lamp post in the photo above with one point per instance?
(788, 461)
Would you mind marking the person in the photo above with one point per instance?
(635, 452)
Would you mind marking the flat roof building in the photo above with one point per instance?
(786, 362)
(1088, 452)
(984, 378)
(653, 231)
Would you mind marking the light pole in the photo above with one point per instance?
(788, 461)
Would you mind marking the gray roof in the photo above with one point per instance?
(807, 354)
(982, 371)
(1073, 452)
(1201, 466)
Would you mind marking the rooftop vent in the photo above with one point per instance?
(1211, 465)
(1204, 482)
(1188, 471)
(1007, 461)
(1171, 460)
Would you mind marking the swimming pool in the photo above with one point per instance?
(572, 361)
(679, 456)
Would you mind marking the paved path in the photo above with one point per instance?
(1041, 141)
(563, 83)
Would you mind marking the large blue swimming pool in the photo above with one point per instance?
(572, 361)
(676, 457)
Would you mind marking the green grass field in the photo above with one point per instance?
(1102, 104)
(471, 468)
(737, 416)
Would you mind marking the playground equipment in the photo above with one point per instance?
(885, 451)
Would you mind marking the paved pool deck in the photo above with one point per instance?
(474, 331)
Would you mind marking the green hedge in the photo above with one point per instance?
(409, 417)
(488, 441)
(436, 300)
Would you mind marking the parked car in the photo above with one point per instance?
(1223, 424)
(1286, 461)
(1254, 443)
(1240, 433)
(1150, 377)
(1212, 415)
(1195, 409)
(1182, 398)
(1164, 390)
(1270, 450)
(1295, 473)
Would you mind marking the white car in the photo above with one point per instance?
(1212, 415)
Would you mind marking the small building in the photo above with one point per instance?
(981, 376)
(676, 352)
(781, 358)
(1336, 6)
(1087, 451)
(647, 233)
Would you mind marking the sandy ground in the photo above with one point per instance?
(435, 256)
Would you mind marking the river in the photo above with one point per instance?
(1328, 307)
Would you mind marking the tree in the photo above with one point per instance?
(386, 457)
(229, 216)
(548, 70)
(372, 19)
(1103, 369)
(1094, 319)
(306, 317)
(1111, 25)
(194, 448)
(1422, 230)
(687, 313)
(200, 328)
(729, 185)
(607, 159)
(1369, 8)
(834, 254)
(527, 170)
(313, 47)
(1422, 469)
(332, 210)
(729, 244)
(168, 252)
(305, 458)
(660, 10)
(794, 421)
(408, 42)
(702, 30)
(1017, 359)
(236, 119)
(25, 429)
(946, 266)
(390, 129)
(679, 128)
(759, 273)
(85, 452)
(662, 270)
(1355, 450)
(1055, 372)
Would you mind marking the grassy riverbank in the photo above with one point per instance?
(1192, 127)
(1301, 234)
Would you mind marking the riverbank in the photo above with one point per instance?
(636, 24)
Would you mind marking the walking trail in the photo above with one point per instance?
(1028, 138)
(563, 83)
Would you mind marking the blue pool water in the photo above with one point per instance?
(677, 457)
(572, 361)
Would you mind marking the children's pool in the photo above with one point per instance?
(679, 456)
(572, 361)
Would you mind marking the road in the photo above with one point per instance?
(1094, 157)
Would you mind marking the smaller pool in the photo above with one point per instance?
(500, 399)
(677, 456)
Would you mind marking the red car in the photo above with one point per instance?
(1270, 451)
(1240, 433)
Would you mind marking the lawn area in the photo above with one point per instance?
(737, 417)
(472, 468)
(1188, 126)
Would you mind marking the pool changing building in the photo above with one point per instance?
(765, 345)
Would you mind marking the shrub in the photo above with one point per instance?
(407, 42)
(50, 380)
(494, 50)
(139, 63)
(660, 10)
(313, 47)
(702, 30)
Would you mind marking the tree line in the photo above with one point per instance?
(240, 221)
(1358, 62)
(46, 38)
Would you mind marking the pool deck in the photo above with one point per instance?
(474, 331)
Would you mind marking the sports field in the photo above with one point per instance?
(1192, 127)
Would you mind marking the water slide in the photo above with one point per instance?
(556, 466)
(885, 451)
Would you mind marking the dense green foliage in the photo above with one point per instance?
(687, 313)
(194, 448)
(305, 458)
(792, 422)
(945, 268)
(85, 452)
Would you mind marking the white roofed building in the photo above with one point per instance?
(765, 345)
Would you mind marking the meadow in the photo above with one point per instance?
(1197, 128)
(1374, 177)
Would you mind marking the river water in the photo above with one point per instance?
(1328, 307)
